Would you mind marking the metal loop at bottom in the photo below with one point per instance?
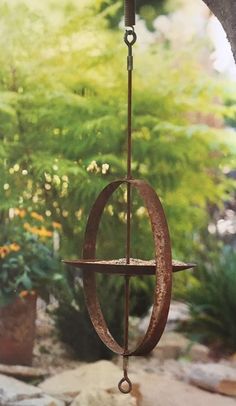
(127, 388)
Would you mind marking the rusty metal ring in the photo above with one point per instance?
(162, 291)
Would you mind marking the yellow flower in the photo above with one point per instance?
(36, 216)
(23, 293)
(43, 232)
(34, 230)
(20, 212)
(56, 225)
(14, 247)
(27, 226)
(4, 250)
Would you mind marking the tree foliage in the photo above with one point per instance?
(63, 116)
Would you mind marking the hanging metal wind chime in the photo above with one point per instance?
(162, 266)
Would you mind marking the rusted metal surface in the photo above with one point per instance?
(116, 267)
(163, 268)
(125, 385)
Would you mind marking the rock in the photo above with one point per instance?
(174, 368)
(172, 345)
(22, 372)
(12, 390)
(151, 364)
(42, 401)
(199, 353)
(159, 390)
(17, 393)
(233, 359)
(101, 374)
(178, 313)
(97, 382)
(144, 322)
(45, 325)
(98, 376)
(100, 397)
(214, 377)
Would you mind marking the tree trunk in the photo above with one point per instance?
(225, 11)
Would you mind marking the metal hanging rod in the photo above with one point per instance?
(129, 11)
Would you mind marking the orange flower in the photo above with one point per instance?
(4, 250)
(14, 247)
(20, 212)
(43, 232)
(34, 230)
(56, 225)
(27, 227)
(36, 216)
(23, 293)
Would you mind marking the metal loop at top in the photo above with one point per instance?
(130, 33)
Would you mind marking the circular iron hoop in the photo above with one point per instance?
(162, 292)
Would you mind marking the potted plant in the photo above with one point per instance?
(28, 268)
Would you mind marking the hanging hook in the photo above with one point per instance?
(130, 33)
(127, 388)
(128, 385)
(130, 39)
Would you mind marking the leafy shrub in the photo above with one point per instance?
(212, 301)
(73, 322)
(27, 261)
